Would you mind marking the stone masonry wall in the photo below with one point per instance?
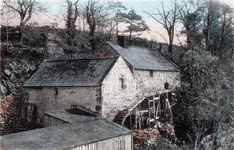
(119, 89)
(136, 84)
(47, 100)
(115, 95)
(146, 84)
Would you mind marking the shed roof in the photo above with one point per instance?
(71, 118)
(81, 72)
(65, 136)
(141, 58)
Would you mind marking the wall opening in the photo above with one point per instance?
(55, 91)
(151, 73)
(130, 122)
(166, 86)
(122, 83)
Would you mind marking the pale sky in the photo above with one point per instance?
(56, 10)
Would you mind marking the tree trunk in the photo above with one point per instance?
(7, 38)
(83, 22)
(117, 25)
(170, 46)
(130, 36)
(189, 39)
(21, 32)
(195, 144)
(222, 38)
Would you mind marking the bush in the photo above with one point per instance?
(207, 101)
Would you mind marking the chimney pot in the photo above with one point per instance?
(122, 41)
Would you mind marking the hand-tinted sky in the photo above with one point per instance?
(56, 11)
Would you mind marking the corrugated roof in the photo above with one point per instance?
(141, 58)
(81, 72)
(83, 131)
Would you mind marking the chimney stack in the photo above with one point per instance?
(122, 41)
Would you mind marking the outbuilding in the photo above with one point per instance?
(75, 133)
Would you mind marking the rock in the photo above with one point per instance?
(32, 67)
(3, 89)
(166, 128)
(220, 140)
(7, 72)
(13, 77)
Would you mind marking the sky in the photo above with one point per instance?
(56, 10)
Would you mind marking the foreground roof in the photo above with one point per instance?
(83, 130)
(71, 118)
(81, 72)
(141, 58)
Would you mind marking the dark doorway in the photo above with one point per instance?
(130, 121)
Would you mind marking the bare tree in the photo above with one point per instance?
(72, 14)
(217, 28)
(93, 10)
(24, 8)
(190, 17)
(7, 16)
(226, 35)
(168, 19)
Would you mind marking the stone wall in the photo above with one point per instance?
(115, 95)
(137, 83)
(147, 84)
(120, 88)
(46, 98)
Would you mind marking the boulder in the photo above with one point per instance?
(7, 72)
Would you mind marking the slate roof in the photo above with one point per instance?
(70, 118)
(79, 132)
(141, 58)
(81, 72)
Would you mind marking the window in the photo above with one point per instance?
(73, 106)
(166, 86)
(122, 84)
(55, 91)
(151, 73)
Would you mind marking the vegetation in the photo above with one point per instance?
(205, 106)
(135, 23)
(168, 19)
(24, 9)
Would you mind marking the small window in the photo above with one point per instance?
(166, 86)
(122, 83)
(151, 73)
(73, 106)
(55, 91)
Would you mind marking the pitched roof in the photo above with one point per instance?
(141, 58)
(82, 130)
(81, 72)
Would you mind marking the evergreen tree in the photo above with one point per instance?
(135, 23)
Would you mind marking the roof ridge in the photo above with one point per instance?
(94, 58)
(144, 58)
